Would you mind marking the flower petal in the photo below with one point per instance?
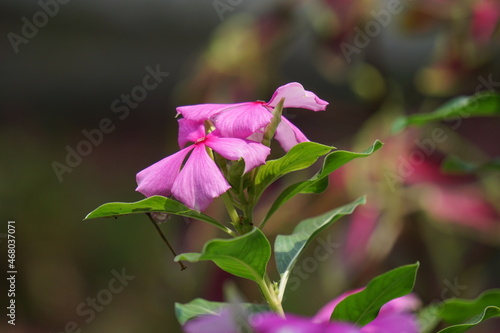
(393, 323)
(406, 303)
(272, 323)
(288, 135)
(158, 178)
(221, 323)
(190, 131)
(202, 112)
(253, 153)
(244, 120)
(297, 97)
(200, 181)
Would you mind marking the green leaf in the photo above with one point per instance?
(288, 248)
(301, 156)
(489, 312)
(455, 311)
(362, 307)
(199, 307)
(244, 256)
(319, 182)
(152, 204)
(479, 105)
(453, 164)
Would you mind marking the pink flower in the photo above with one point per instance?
(272, 323)
(484, 20)
(394, 317)
(242, 120)
(199, 180)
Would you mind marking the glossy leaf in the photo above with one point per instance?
(200, 307)
(154, 204)
(455, 311)
(479, 105)
(319, 182)
(288, 248)
(362, 307)
(489, 312)
(244, 256)
(299, 157)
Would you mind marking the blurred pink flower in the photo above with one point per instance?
(486, 14)
(394, 317)
(199, 181)
(242, 120)
(464, 205)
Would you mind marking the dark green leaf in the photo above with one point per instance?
(244, 256)
(362, 307)
(288, 248)
(319, 181)
(479, 105)
(152, 204)
(299, 157)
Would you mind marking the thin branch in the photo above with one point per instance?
(183, 267)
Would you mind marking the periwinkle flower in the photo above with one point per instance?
(243, 120)
(394, 317)
(196, 180)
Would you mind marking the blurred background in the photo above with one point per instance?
(89, 90)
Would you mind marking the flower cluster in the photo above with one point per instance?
(234, 131)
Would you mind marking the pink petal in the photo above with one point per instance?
(272, 323)
(288, 135)
(200, 181)
(406, 303)
(221, 323)
(253, 153)
(190, 131)
(244, 120)
(296, 97)
(202, 112)
(158, 178)
(394, 323)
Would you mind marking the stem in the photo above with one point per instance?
(233, 214)
(270, 296)
(183, 267)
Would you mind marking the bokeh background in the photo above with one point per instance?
(68, 66)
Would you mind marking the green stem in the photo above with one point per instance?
(270, 296)
(233, 214)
